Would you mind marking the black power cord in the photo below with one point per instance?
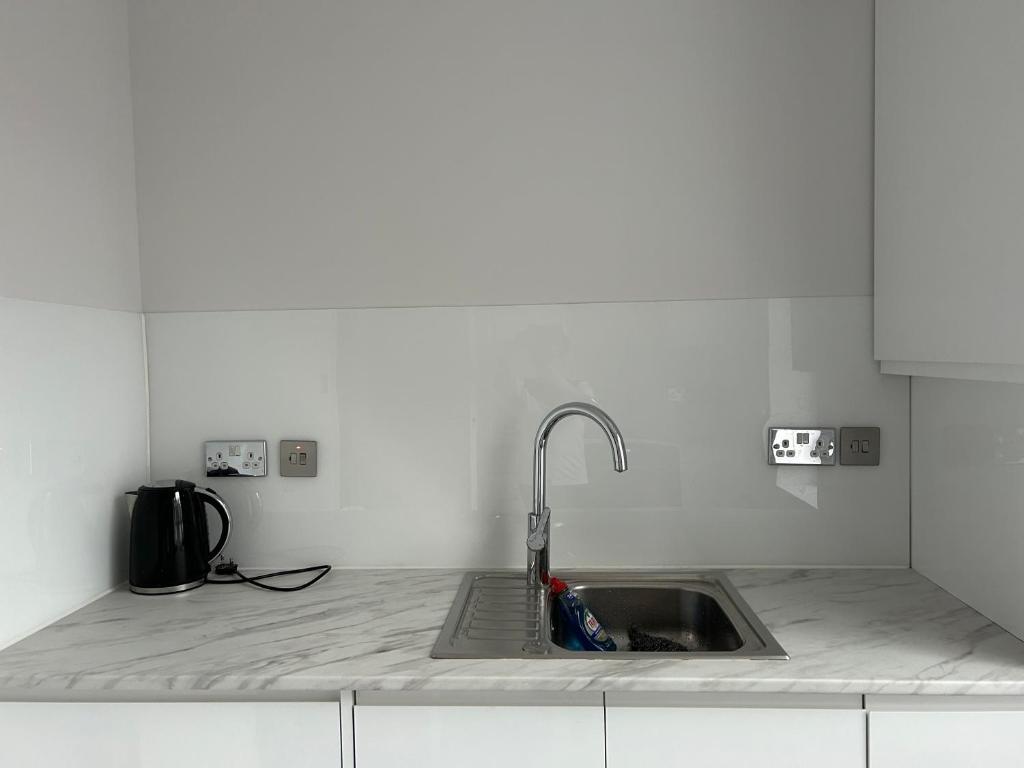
(230, 568)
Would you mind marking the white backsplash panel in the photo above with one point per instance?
(426, 419)
(72, 440)
(968, 493)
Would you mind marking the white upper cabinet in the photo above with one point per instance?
(294, 155)
(949, 183)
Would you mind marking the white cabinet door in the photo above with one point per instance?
(946, 739)
(677, 737)
(166, 735)
(949, 188)
(474, 736)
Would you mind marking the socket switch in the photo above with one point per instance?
(807, 446)
(860, 446)
(298, 458)
(236, 458)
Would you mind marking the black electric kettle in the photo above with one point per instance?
(170, 540)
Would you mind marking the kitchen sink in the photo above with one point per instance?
(649, 614)
(498, 615)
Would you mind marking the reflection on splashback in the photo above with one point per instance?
(791, 395)
(426, 419)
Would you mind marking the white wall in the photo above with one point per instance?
(400, 153)
(72, 378)
(68, 230)
(968, 492)
(426, 418)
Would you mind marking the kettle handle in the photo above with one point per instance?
(210, 497)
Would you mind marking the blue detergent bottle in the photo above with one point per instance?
(580, 629)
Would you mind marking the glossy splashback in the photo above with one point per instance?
(426, 420)
(968, 492)
(72, 440)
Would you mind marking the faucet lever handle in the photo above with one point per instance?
(538, 537)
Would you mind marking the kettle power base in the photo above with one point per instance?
(166, 590)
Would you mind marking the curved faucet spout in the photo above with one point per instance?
(539, 530)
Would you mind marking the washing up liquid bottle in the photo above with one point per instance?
(580, 629)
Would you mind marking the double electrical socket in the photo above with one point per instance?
(817, 446)
(236, 458)
(248, 458)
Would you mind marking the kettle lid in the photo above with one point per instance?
(168, 485)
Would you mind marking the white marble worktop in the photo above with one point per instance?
(847, 631)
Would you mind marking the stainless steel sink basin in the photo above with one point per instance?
(682, 614)
(496, 615)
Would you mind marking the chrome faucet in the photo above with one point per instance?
(538, 538)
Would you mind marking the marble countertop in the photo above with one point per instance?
(847, 631)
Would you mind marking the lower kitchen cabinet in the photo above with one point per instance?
(945, 739)
(473, 736)
(684, 737)
(170, 735)
(540, 731)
